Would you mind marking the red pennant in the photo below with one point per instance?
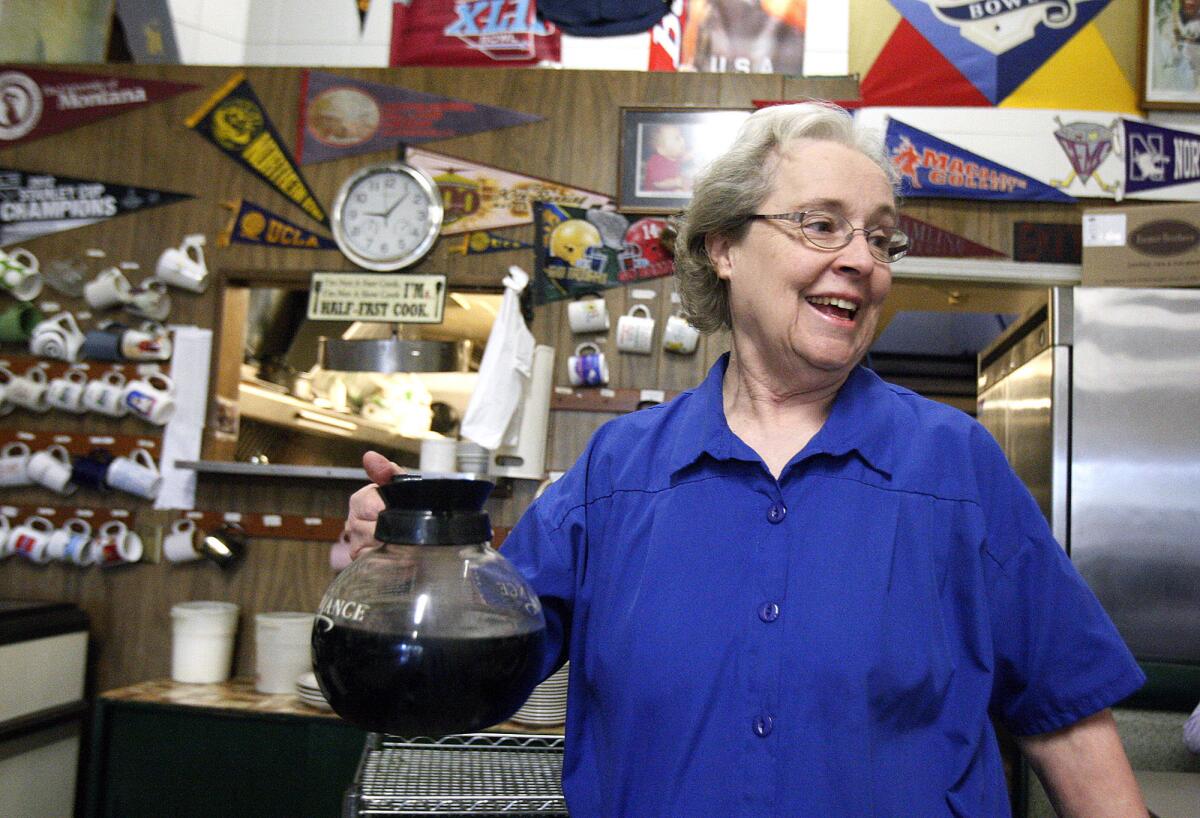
(910, 71)
(931, 241)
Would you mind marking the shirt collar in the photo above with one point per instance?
(860, 421)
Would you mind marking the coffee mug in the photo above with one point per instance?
(587, 368)
(103, 343)
(149, 342)
(51, 467)
(180, 544)
(71, 539)
(679, 336)
(66, 391)
(91, 470)
(110, 288)
(588, 314)
(151, 398)
(58, 337)
(29, 390)
(150, 300)
(225, 546)
(105, 394)
(19, 274)
(6, 379)
(183, 266)
(30, 538)
(116, 544)
(635, 330)
(14, 465)
(18, 321)
(5, 532)
(136, 474)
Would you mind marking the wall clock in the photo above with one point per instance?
(387, 216)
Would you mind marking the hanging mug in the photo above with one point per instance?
(66, 391)
(29, 390)
(30, 538)
(51, 467)
(58, 337)
(105, 394)
(587, 368)
(679, 336)
(184, 266)
(6, 379)
(136, 474)
(152, 398)
(588, 314)
(18, 321)
(19, 274)
(110, 288)
(91, 470)
(5, 533)
(14, 465)
(180, 544)
(72, 538)
(116, 544)
(149, 342)
(150, 300)
(635, 330)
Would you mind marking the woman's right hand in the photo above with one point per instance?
(365, 504)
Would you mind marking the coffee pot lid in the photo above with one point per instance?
(434, 511)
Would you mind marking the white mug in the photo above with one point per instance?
(180, 544)
(151, 398)
(149, 342)
(110, 288)
(679, 336)
(106, 394)
(14, 464)
(51, 467)
(635, 330)
(5, 531)
(184, 266)
(20, 274)
(66, 391)
(6, 379)
(116, 544)
(29, 390)
(587, 368)
(136, 474)
(588, 314)
(30, 538)
(150, 300)
(58, 337)
(72, 538)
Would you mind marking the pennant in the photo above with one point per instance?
(443, 33)
(573, 256)
(234, 120)
(481, 241)
(344, 117)
(482, 197)
(1157, 158)
(252, 224)
(931, 241)
(929, 166)
(998, 44)
(35, 102)
(38, 204)
(363, 6)
(149, 32)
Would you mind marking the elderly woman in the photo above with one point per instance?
(797, 590)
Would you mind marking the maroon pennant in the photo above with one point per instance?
(931, 241)
(35, 102)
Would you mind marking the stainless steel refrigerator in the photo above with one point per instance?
(1095, 398)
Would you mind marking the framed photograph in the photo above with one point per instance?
(1171, 54)
(662, 149)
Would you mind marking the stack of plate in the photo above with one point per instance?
(310, 693)
(547, 704)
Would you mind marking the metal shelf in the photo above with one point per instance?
(459, 775)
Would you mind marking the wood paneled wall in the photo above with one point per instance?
(576, 143)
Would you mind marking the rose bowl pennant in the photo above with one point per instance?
(482, 197)
(235, 121)
(38, 204)
(253, 224)
(933, 167)
(340, 117)
(35, 102)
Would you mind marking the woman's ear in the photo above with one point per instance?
(720, 250)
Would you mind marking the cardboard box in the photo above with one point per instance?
(1142, 246)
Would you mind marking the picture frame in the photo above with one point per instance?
(1170, 55)
(661, 150)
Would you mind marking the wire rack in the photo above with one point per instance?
(468, 774)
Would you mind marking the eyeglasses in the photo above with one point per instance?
(829, 231)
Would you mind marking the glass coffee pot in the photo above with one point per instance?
(434, 632)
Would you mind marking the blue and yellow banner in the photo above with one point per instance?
(253, 224)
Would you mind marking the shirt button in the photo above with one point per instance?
(776, 513)
(763, 725)
(768, 612)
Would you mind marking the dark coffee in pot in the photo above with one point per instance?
(426, 686)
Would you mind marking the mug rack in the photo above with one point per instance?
(58, 514)
(18, 364)
(119, 445)
(271, 526)
(565, 398)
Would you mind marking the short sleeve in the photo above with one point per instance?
(1058, 657)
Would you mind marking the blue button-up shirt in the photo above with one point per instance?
(831, 643)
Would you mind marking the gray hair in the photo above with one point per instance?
(733, 186)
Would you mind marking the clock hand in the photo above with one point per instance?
(387, 213)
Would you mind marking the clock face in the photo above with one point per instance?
(387, 216)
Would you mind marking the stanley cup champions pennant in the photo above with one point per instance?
(235, 121)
